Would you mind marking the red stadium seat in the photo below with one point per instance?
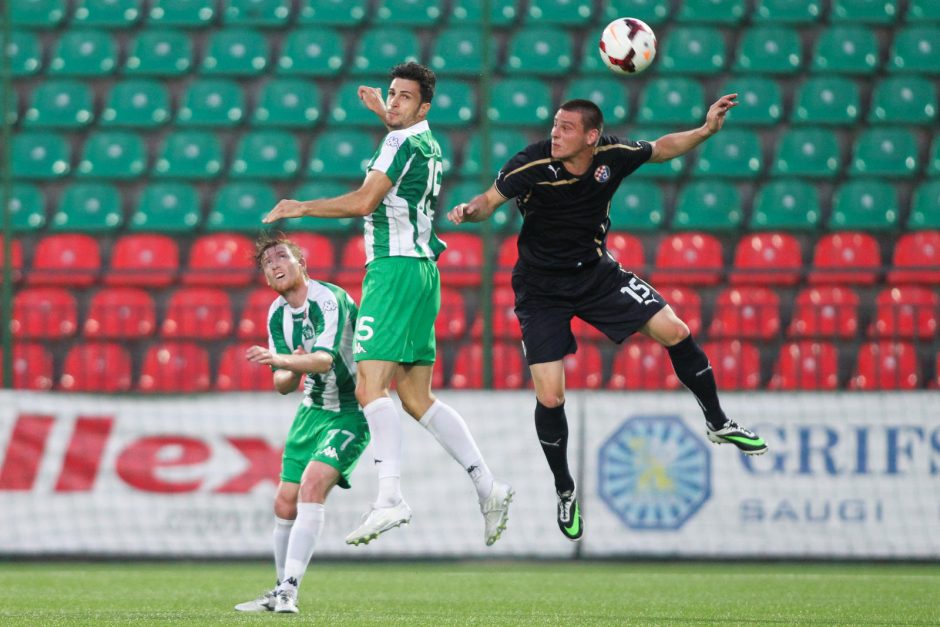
(825, 311)
(643, 365)
(746, 313)
(96, 367)
(319, 253)
(905, 312)
(687, 304)
(221, 259)
(238, 374)
(44, 312)
(175, 367)
(688, 259)
(143, 260)
(16, 260)
(507, 367)
(886, 366)
(806, 366)
(846, 258)
(32, 367)
(451, 322)
(505, 260)
(120, 313)
(203, 313)
(462, 262)
(917, 258)
(254, 319)
(628, 250)
(352, 263)
(505, 323)
(71, 260)
(584, 369)
(736, 364)
(767, 259)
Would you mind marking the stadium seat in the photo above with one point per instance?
(696, 50)
(627, 250)
(48, 313)
(787, 11)
(454, 104)
(719, 12)
(831, 100)
(220, 259)
(197, 313)
(16, 259)
(904, 100)
(211, 102)
(925, 207)
(25, 54)
(672, 169)
(447, 149)
(767, 259)
(923, 11)
(734, 153)
(905, 312)
(650, 11)
(236, 52)
(252, 323)
(688, 259)
(108, 13)
(846, 49)
(32, 366)
(182, 13)
(40, 156)
(341, 154)
(507, 367)
(237, 374)
(865, 205)
(143, 260)
(806, 366)
(687, 304)
(240, 207)
(885, 152)
(750, 313)
(825, 312)
(886, 366)
(916, 258)
(64, 104)
(71, 260)
(83, 53)
(506, 259)
(167, 208)
(540, 50)
(324, 189)
(638, 206)
(807, 153)
(352, 266)
(332, 12)
(672, 101)
(410, 13)
(584, 370)
(520, 102)
(565, 13)
(461, 263)
(380, 48)
(89, 208)
(761, 100)
(311, 52)
(608, 94)
(27, 208)
(451, 322)
(786, 205)
(504, 321)
(289, 103)
(459, 52)
(915, 50)
(120, 313)
(708, 206)
(769, 50)
(266, 155)
(591, 64)
(933, 161)
(256, 13)
(113, 155)
(736, 364)
(864, 11)
(347, 109)
(189, 155)
(38, 14)
(503, 143)
(160, 53)
(137, 103)
(174, 367)
(96, 367)
(846, 257)
(319, 253)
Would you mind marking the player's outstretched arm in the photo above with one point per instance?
(358, 203)
(371, 97)
(478, 209)
(677, 144)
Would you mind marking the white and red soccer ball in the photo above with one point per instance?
(627, 45)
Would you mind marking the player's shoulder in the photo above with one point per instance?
(277, 304)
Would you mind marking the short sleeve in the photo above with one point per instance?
(392, 156)
(517, 176)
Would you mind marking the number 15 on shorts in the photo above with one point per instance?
(364, 332)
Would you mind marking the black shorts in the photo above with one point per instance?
(616, 302)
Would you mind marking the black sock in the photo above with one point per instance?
(692, 368)
(551, 425)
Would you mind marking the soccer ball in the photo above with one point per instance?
(627, 46)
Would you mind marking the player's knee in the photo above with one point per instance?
(314, 489)
(551, 399)
(284, 507)
(366, 393)
(680, 331)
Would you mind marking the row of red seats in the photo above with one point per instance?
(183, 367)
(680, 258)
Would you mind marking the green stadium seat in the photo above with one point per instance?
(769, 50)
(454, 103)
(760, 100)
(933, 161)
(27, 209)
(182, 13)
(348, 110)
(189, 155)
(410, 13)
(864, 206)
(13, 112)
(650, 11)
(240, 207)
(212, 102)
(161, 53)
(693, 50)
(904, 100)
(83, 53)
(62, 104)
(827, 100)
(807, 152)
(447, 151)
(847, 49)
(288, 102)
(540, 50)
(567, 13)
(786, 205)
(88, 208)
(235, 52)
(609, 94)
(324, 189)
(381, 48)
(137, 103)
(504, 143)
(712, 11)
(671, 169)
(502, 12)
(256, 13)
(167, 208)
(923, 11)
(108, 13)
(37, 14)
(591, 62)
(672, 101)
(341, 154)
(40, 155)
(332, 12)
(506, 218)
(311, 52)
(885, 152)
(637, 206)
(864, 11)
(113, 155)
(708, 206)
(915, 49)
(925, 207)
(732, 153)
(25, 54)
(459, 52)
(520, 102)
(266, 155)
(787, 11)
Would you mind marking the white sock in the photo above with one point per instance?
(282, 528)
(303, 539)
(451, 431)
(385, 426)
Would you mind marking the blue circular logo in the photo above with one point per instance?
(654, 472)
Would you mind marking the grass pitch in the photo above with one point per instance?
(476, 593)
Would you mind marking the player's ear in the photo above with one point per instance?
(424, 108)
(593, 136)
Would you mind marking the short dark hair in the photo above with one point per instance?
(421, 74)
(268, 240)
(591, 116)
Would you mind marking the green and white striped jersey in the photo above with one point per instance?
(326, 323)
(402, 225)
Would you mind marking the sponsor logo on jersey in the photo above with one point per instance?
(555, 170)
(393, 141)
(601, 174)
(329, 305)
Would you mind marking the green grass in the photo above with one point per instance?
(477, 593)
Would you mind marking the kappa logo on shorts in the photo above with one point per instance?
(601, 174)
(329, 452)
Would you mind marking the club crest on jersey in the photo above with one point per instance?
(601, 174)
(308, 332)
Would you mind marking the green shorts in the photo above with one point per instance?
(324, 436)
(401, 297)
